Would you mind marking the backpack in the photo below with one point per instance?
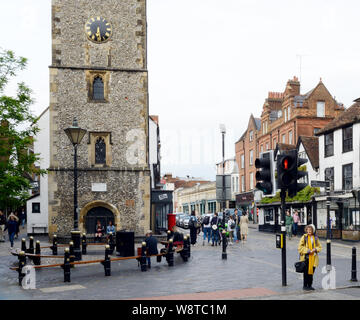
(206, 220)
(193, 222)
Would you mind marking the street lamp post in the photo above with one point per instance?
(223, 235)
(75, 135)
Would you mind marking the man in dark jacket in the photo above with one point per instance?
(151, 246)
(11, 227)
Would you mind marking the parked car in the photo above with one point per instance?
(186, 220)
(178, 214)
(181, 220)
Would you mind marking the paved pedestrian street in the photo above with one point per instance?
(251, 271)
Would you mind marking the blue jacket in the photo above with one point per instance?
(11, 226)
(151, 245)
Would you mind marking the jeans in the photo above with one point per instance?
(236, 232)
(214, 236)
(149, 261)
(288, 230)
(11, 238)
(207, 233)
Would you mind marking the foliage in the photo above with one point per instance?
(17, 129)
(302, 196)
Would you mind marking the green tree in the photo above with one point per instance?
(17, 128)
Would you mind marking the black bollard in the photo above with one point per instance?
(22, 263)
(107, 262)
(188, 246)
(171, 253)
(143, 257)
(83, 244)
(54, 246)
(353, 267)
(183, 252)
(111, 243)
(328, 255)
(66, 265)
(224, 245)
(72, 253)
(23, 244)
(168, 235)
(37, 260)
(31, 246)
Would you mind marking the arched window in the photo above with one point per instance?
(98, 89)
(100, 151)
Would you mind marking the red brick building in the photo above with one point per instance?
(285, 116)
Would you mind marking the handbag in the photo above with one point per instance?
(300, 266)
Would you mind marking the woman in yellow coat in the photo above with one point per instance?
(309, 248)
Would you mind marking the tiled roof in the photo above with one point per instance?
(311, 146)
(348, 117)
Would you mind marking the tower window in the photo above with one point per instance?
(100, 151)
(98, 89)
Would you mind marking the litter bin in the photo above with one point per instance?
(171, 221)
(125, 243)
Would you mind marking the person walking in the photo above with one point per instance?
(244, 229)
(11, 227)
(214, 229)
(193, 228)
(22, 218)
(289, 224)
(309, 248)
(231, 229)
(151, 247)
(2, 226)
(296, 222)
(206, 229)
(237, 217)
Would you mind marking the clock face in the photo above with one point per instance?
(98, 30)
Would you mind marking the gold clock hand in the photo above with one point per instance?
(98, 34)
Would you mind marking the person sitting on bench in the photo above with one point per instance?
(110, 229)
(99, 230)
(151, 246)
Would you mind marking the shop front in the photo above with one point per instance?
(161, 205)
(344, 217)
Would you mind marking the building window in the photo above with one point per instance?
(267, 146)
(347, 176)
(283, 138)
(36, 207)
(274, 144)
(233, 185)
(290, 137)
(285, 115)
(320, 109)
(251, 157)
(347, 139)
(251, 135)
(316, 130)
(242, 161)
(288, 113)
(329, 176)
(237, 184)
(242, 183)
(261, 148)
(251, 180)
(100, 151)
(98, 89)
(329, 144)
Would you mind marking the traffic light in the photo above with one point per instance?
(299, 174)
(266, 176)
(286, 169)
(288, 172)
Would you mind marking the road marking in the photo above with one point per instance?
(62, 288)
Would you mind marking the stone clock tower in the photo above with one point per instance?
(99, 76)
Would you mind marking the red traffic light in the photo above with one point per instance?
(286, 164)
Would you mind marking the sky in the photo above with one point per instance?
(213, 62)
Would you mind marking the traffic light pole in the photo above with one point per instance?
(283, 233)
(328, 240)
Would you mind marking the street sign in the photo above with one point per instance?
(319, 184)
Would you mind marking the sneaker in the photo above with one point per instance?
(311, 288)
(306, 288)
(212, 245)
(203, 242)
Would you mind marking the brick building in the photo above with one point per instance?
(285, 116)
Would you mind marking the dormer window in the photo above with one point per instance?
(251, 135)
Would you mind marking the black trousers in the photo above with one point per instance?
(308, 278)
